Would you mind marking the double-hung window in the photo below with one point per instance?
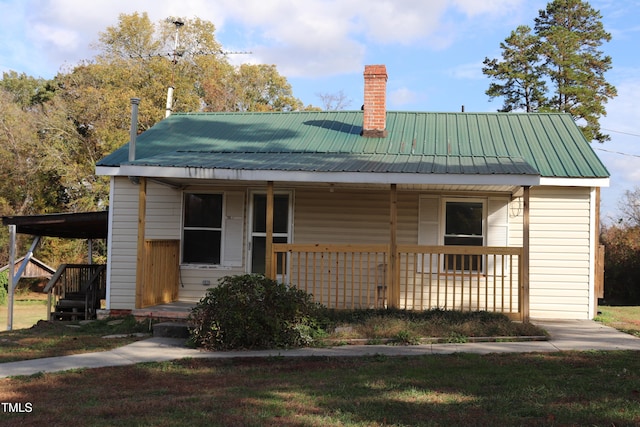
(202, 229)
(464, 226)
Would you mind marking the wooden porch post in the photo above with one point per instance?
(599, 258)
(140, 257)
(525, 256)
(393, 283)
(269, 238)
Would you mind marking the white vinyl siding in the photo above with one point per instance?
(341, 217)
(164, 210)
(560, 240)
(123, 239)
(561, 235)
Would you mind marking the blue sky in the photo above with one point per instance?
(433, 50)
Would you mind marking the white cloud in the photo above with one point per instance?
(401, 96)
(310, 38)
(493, 7)
(470, 71)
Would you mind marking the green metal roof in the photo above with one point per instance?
(548, 145)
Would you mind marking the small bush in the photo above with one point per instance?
(253, 312)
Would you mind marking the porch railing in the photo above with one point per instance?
(467, 278)
(83, 282)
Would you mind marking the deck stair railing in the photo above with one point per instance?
(75, 290)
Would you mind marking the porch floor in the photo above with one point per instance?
(176, 310)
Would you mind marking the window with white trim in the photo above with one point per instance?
(202, 229)
(480, 221)
(464, 226)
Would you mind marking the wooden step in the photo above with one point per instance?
(67, 315)
(78, 296)
(70, 304)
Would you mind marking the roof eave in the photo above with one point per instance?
(320, 177)
(575, 181)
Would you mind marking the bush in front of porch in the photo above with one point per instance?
(253, 312)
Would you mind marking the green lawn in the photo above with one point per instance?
(624, 318)
(554, 389)
(557, 389)
(28, 309)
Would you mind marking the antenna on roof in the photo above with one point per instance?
(179, 23)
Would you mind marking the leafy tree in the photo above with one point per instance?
(564, 52)
(133, 37)
(184, 54)
(520, 70)
(622, 252)
(622, 263)
(27, 91)
(23, 190)
(52, 132)
(262, 88)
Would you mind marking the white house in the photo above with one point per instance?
(472, 211)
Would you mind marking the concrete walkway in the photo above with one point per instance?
(564, 335)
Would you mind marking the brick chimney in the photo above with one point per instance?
(375, 95)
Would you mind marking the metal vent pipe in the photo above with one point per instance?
(134, 128)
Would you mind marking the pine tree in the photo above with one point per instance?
(571, 33)
(559, 67)
(519, 70)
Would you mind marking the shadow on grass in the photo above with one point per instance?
(568, 388)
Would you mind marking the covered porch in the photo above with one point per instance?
(394, 274)
(406, 276)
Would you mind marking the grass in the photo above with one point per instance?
(28, 309)
(623, 318)
(564, 388)
(536, 389)
(33, 338)
(49, 339)
(427, 326)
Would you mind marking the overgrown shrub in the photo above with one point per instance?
(253, 312)
(622, 264)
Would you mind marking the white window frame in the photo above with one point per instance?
(220, 229)
(443, 224)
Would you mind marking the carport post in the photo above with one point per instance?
(10, 272)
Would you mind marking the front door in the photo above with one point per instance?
(258, 232)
